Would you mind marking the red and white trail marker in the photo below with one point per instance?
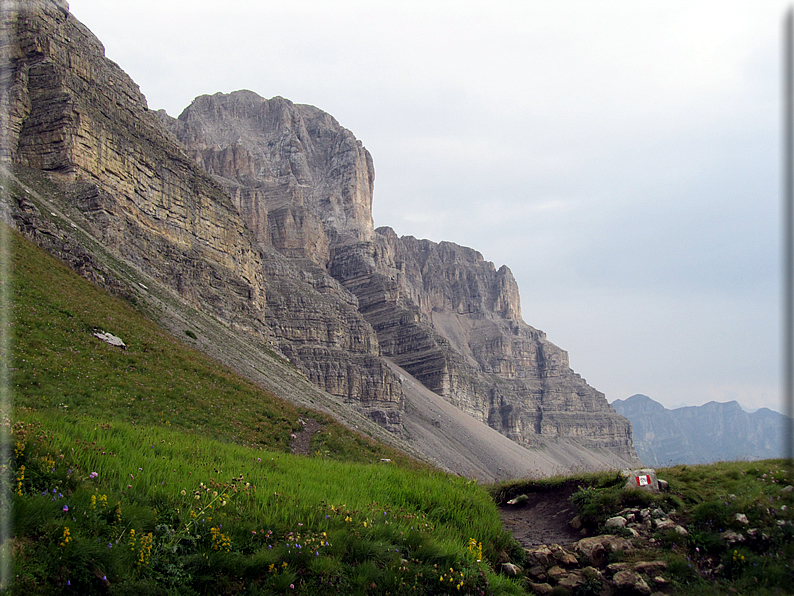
(643, 480)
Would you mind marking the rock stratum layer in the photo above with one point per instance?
(258, 213)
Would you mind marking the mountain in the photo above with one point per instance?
(701, 434)
(248, 222)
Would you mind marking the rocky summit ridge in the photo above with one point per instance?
(257, 214)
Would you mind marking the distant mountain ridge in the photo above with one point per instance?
(701, 434)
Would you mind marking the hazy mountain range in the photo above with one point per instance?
(701, 434)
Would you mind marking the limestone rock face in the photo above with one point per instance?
(301, 180)
(453, 321)
(440, 311)
(314, 321)
(76, 115)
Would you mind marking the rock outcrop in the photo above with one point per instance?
(259, 212)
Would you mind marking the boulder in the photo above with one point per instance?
(643, 479)
(563, 557)
(540, 555)
(731, 537)
(572, 580)
(111, 339)
(650, 567)
(665, 524)
(557, 573)
(616, 522)
(598, 548)
(631, 582)
(541, 589)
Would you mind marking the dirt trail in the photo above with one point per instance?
(300, 443)
(543, 519)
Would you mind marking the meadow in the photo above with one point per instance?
(152, 469)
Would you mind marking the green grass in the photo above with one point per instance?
(352, 521)
(706, 499)
(59, 365)
(154, 470)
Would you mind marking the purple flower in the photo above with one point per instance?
(66, 508)
(93, 475)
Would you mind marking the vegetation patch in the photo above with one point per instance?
(154, 470)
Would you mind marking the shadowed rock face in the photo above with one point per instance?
(259, 212)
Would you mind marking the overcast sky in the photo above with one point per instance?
(622, 158)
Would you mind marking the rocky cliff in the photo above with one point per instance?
(78, 117)
(74, 114)
(258, 213)
(701, 434)
(440, 311)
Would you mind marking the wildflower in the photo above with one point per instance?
(93, 475)
(66, 536)
(66, 508)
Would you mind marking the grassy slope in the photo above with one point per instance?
(139, 430)
(60, 365)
